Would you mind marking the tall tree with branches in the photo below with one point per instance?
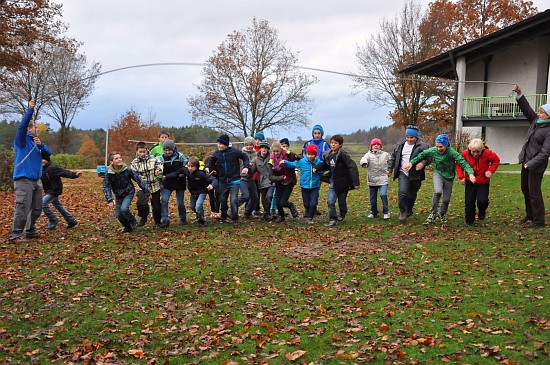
(251, 84)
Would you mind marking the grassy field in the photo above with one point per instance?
(365, 291)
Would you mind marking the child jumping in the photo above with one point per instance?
(378, 177)
(172, 180)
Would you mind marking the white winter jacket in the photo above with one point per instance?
(377, 163)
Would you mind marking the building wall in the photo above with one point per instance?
(506, 142)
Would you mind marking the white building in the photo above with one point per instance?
(519, 54)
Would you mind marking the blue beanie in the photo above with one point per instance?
(317, 126)
(443, 139)
(546, 108)
(260, 136)
(412, 131)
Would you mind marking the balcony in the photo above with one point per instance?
(498, 107)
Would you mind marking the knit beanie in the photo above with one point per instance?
(264, 144)
(223, 139)
(376, 141)
(169, 145)
(546, 108)
(248, 140)
(312, 149)
(285, 141)
(443, 139)
(260, 136)
(412, 131)
(45, 156)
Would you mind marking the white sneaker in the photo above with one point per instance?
(387, 216)
(370, 215)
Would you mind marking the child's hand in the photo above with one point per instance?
(164, 178)
(244, 171)
(473, 178)
(314, 170)
(462, 181)
(158, 172)
(407, 166)
(181, 175)
(488, 174)
(78, 173)
(419, 166)
(282, 162)
(209, 187)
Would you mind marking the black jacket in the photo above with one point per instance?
(121, 183)
(536, 150)
(395, 160)
(345, 174)
(198, 181)
(51, 178)
(227, 165)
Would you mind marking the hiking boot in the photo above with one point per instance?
(332, 223)
(34, 234)
(481, 216)
(142, 221)
(53, 224)
(387, 216)
(430, 219)
(442, 218)
(72, 224)
(403, 217)
(468, 224)
(164, 224)
(294, 210)
(534, 225)
(279, 219)
(409, 214)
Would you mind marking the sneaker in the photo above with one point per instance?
(142, 221)
(387, 216)
(17, 240)
(403, 217)
(279, 219)
(34, 234)
(72, 224)
(164, 224)
(430, 219)
(294, 211)
(442, 218)
(371, 215)
(468, 224)
(409, 213)
(127, 229)
(53, 224)
(332, 223)
(534, 225)
(481, 216)
(310, 221)
(267, 217)
(340, 219)
(525, 220)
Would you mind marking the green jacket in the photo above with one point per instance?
(444, 163)
(157, 150)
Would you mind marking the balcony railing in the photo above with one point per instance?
(499, 106)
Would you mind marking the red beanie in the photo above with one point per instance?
(375, 141)
(311, 149)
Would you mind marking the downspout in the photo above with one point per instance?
(453, 66)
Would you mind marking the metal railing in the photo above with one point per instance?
(499, 106)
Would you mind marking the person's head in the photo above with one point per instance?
(31, 128)
(249, 143)
(141, 149)
(311, 152)
(412, 134)
(163, 136)
(115, 158)
(193, 164)
(544, 111)
(336, 143)
(264, 148)
(169, 147)
(259, 137)
(276, 148)
(285, 143)
(442, 143)
(223, 142)
(45, 158)
(376, 144)
(317, 132)
(476, 146)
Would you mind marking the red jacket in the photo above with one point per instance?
(487, 161)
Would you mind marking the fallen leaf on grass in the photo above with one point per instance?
(295, 355)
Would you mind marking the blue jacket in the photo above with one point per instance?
(308, 178)
(28, 156)
(322, 146)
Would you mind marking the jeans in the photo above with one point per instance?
(182, 213)
(475, 193)
(531, 187)
(282, 196)
(54, 200)
(249, 195)
(196, 201)
(230, 191)
(442, 187)
(28, 205)
(122, 211)
(310, 198)
(332, 197)
(407, 192)
(373, 191)
(143, 205)
(267, 198)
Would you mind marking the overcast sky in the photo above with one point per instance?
(325, 34)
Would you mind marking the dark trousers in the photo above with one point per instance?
(474, 193)
(214, 198)
(407, 192)
(143, 205)
(267, 195)
(282, 197)
(531, 187)
(310, 197)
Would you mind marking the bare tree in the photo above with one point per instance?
(251, 84)
(398, 44)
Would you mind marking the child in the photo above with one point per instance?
(225, 161)
(118, 180)
(344, 177)
(148, 167)
(214, 194)
(249, 191)
(172, 180)
(445, 157)
(157, 149)
(285, 186)
(258, 138)
(199, 183)
(309, 179)
(53, 187)
(378, 177)
(485, 163)
(264, 167)
(322, 146)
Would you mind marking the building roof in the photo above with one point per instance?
(443, 65)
